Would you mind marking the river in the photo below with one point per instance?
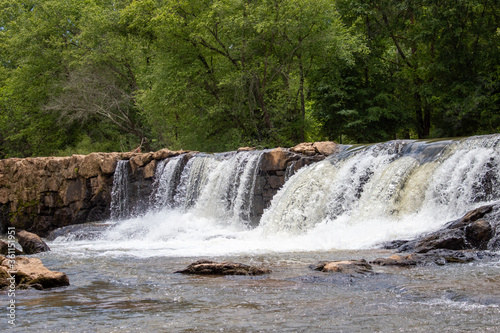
(122, 272)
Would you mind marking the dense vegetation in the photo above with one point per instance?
(86, 75)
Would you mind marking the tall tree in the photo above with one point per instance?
(440, 54)
(229, 73)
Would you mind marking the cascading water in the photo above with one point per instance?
(356, 199)
(120, 205)
(387, 191)
(201, 206)
(168, 171)
(229, 190)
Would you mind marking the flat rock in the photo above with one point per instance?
(434, 257)
(31, 243)
(31, 272)
(397, 260)
(305, 148)
(326, 148)
(246, 149)
(344, 267)
(207, 267)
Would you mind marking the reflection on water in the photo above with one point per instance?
(130, 294)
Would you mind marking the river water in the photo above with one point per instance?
(118, 292)
(123, 275)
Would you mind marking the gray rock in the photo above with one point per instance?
(31, 243)
(207, 267)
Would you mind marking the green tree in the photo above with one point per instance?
(439, 56)
(47, 47)
(34, 36)
(229, 73)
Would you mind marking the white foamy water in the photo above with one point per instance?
(357, 200)
(124, 280)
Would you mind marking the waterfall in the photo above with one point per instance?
(228, 194)
(398, 182)
(120, 199)
(164, 186)
(358, 198)
(194, 177)
(220, 186)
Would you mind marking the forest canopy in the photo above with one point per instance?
(78, 76)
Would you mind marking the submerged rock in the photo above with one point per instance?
(31, 243)
(207, 267)
(344, 267)
(437, 257)
(29, 272)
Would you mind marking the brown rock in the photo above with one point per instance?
(108, 163)
(73, 169)
(305, 148)
(471, 216)
(4, 195)
(276, 181)
(31, 272)
(274, 160)
(207, 267)
(246, 149)
(31, 243)
(149, 170)
(434, 257)
(396, 260)
(326, 148)
(91, 165)
(140, 160)
(345, 267)
(4, 249)
(72, 191)
(452, 239)
(50, 184)
(56, 164)
(164, 153)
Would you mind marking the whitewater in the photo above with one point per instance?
(357, 199)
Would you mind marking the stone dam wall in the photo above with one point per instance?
(45, 193)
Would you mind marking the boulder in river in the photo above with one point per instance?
(30, 272)
(479, 229)
(31, 243)
(207, 267)
(344, 266)
(4, 248)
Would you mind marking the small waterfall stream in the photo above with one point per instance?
(120, 205)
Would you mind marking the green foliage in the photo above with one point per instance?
(78, 76)
(232, 73)
(439, 57)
